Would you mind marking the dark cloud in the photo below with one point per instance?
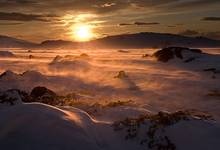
(103, 6)
(17, 3)
(139, 23)
(171, 26)
(24, 17)
(10, 24)
(183, 5)
(211, 19)
(145, 23)
(125, 24)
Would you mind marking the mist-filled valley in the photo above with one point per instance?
(110, 98)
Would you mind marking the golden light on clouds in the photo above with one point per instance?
(80, 27)
(82, 32)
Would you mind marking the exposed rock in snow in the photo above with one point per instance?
(25, 81)
(6, 54)
(166, 131)
(8, 74)
(186, 54)
(121, 75)
(70, 62)
(33, 75)
(123, 51)
(11, 97)
(38, 92)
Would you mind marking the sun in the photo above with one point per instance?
(83, 33)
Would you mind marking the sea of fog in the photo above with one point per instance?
(151, 84)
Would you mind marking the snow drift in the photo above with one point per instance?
(49, 128)
(6, 54)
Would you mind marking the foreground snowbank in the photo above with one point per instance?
(37, 126)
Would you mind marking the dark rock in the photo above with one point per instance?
(196, 50)
(210, 69)
(123, 51)
(121, 75)
(190, 59)
(30, 56)
(39, 91)
(168, 53)
(8, 73)
(13, 96)
(145, 55)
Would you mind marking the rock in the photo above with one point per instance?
(168, 53)
(210, 69)
(84, 55)
(12, 97)
(190, 59)
(123, 51)
(8, 74)
(39, 92)
(145, 55)
(30, 56)
(121, 75)
(44, 95)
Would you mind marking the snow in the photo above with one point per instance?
(6, 54)
(153, 86)
(39, 126)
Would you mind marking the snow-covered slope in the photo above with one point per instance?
(37, 126)
(6, 54)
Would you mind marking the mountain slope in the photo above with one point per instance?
(148, 39)
(10, 42)
(136, 40)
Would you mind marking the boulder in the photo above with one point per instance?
(121, 75)
(168, 53)
(39, 92)
(13, 97)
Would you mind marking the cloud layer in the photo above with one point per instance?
(50, 18)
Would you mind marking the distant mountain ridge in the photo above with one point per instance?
(136, 40)
(10, 42)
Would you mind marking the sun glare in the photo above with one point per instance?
(83, 33)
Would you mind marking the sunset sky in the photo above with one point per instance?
(39, 20)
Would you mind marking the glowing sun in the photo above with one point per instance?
(83, 33)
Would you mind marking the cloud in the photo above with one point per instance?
(125, 24)
(10, 24)
(24, 17)
(102, 6)
(139, 23)
(211, 19)
(171, 26)
(145, 23)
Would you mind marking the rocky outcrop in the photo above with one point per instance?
(183, 53)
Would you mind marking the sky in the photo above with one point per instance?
(39, 20)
